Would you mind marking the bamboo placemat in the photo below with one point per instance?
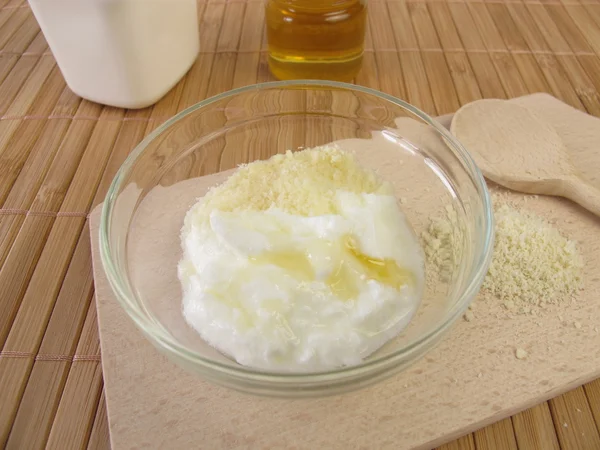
(58, 155)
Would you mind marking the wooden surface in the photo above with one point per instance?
(534, 159)
(58, 155)
(470, 379)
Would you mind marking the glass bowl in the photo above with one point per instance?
(432, 174)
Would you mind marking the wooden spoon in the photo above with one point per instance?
(515, 148)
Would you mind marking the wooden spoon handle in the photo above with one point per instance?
(583, 193)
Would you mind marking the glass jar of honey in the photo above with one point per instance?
(316, 39)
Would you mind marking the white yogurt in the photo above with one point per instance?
(283, 292)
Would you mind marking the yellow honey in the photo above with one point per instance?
(315, 39)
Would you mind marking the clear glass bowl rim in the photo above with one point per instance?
(120, 285)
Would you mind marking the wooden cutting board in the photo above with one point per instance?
(469, 380)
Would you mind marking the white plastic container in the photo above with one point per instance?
(125, 53)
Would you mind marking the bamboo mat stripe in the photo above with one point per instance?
(25, 212)
(59, 154)
(545, 2)
(44, 357)
(395, 50)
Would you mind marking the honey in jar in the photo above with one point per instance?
(315, 39)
